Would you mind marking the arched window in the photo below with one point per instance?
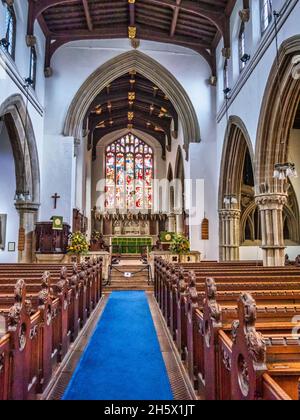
(32, 66)
(129, 174)
(242, 46)
(266, 14)
(11, 27)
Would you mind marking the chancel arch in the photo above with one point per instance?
(133, 62)
(17, 126)
(278, 143)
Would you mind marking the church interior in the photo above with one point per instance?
(149, 200)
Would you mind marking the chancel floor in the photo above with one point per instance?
(73, 370)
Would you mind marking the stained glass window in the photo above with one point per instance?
(129, 174)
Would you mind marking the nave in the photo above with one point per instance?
(149, 199)
(126, 356)
(212, 331)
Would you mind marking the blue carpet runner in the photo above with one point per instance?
(123, 360)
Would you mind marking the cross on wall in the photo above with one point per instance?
(55, 198)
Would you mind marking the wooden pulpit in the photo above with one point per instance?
(50, 241)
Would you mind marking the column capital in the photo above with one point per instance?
(271, 201)
(27, 207)
(230, 214)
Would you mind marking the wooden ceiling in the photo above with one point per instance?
(193, 24)
(132, 101)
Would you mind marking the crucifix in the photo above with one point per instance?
(55, 198)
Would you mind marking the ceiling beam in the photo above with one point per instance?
(218, 15)
(214, 14)
(138, 116)
(175, 18)
(88, 15)
(58, 40)
(131, 4)
(140, 96)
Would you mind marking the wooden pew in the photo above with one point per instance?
(214, 318)
(255, 358)
(236, 273)
(182, 302)
(34, 335)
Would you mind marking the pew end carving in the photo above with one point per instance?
(248, 353)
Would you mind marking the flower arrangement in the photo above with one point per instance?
(78, 244)
(180, 245)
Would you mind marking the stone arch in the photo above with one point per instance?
(277, 116)
(236, 145)
(24, 148)
(170, 176)
(237, 142)
(179, 165)
(118, 66)
(13, 113)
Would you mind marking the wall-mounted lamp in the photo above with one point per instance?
(245, 58)
(4, 43)
(29, 82)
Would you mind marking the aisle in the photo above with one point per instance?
(123, 360)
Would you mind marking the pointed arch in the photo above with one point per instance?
(179, 165)
(170, 175)
(13, 112)
(278, 113)
(236, 144)
(146, 66)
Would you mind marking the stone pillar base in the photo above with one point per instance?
(271, 209)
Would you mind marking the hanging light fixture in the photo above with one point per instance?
(285, 170)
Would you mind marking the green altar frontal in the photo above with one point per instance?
(131, 245)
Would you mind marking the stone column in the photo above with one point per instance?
(179, 223)
(271, 210)
(230, 234)
(28, 217)
(171, 222)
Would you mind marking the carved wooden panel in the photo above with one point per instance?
(205, 230)
(21, 242)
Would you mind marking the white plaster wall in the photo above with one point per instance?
(7, 193)
(13, 73)
(58, 177)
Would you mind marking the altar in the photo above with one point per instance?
(131, 232)
(131, 245)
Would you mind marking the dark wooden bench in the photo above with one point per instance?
(36, 324)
